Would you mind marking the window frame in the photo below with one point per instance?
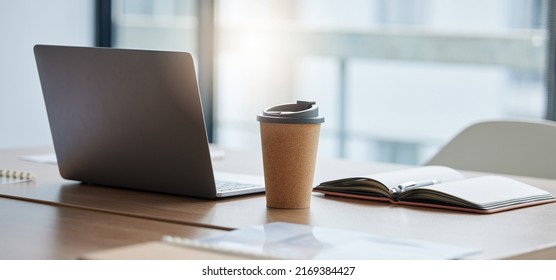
(206, 60)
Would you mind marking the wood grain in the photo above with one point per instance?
(499, 235)
(38, 231)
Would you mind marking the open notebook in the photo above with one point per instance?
(439, 187)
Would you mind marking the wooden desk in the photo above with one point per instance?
(39, 231)
(508, 234)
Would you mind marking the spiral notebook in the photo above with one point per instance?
(290, 241)
(8, 176)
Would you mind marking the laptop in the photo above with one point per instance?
(131, 119)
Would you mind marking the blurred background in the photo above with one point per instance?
(395, 79)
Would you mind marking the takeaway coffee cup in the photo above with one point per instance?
(289, 138)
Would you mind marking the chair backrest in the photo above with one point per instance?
(526, 148)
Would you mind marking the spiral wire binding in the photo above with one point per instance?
(190, 243)
(8, 176)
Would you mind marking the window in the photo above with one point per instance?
(395, 79)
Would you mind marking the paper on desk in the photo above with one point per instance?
(42, 158)
(294, 241)
(5, 181)
(216, 153)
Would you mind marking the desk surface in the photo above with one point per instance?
(499, 235)
(39, 231)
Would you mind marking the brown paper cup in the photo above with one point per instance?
(289, 156)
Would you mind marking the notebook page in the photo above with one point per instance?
(426, 173)
(489, 189)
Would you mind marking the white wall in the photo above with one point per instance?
(24, 23)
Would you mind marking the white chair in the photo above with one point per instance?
(526, 148)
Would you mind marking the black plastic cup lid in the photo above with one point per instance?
(302, 112)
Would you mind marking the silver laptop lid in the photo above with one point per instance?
(126, 118)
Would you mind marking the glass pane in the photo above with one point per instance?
(395, 79)
(160, 24)
(411, 73)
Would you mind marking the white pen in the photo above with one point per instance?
(412, 185)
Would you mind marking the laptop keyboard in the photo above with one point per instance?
(223, 186)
